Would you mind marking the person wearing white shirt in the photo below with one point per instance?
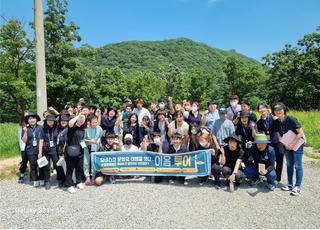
(140, 111)
(128, 144)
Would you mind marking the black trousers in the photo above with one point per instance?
(23, 164)
(47, 170)
(226, 170)
(279, 149)
(33, 167)
(74, 163)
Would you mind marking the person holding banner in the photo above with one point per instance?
(129, 146)
(31, 137)
(110, 146)
(264, 158)
(75, 150)
(231, 158)
(205, 143)
(282, 125)
(92, 138)
(175, 148)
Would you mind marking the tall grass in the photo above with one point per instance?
(9, 142)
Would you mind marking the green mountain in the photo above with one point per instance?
(150, 56)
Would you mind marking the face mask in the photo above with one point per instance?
(156, 140)
(161, 106)
(203, 143)
(187, 108)
(194, 132)
(128, 142)
(222, 116)
(194, 109)
(233, 103)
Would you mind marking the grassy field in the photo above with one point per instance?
(9, 142)
(310, 121)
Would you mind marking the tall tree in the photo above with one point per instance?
(17, 72)
(295, 73)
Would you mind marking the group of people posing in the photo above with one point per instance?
(240, 144)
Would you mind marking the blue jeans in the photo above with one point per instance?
(294, 159)
(252, 172)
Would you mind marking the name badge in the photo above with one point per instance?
(34, 143)
(268, 137)
(163, 137)
(93, 147)
(51, 144)
(58, 141)
(83, 144)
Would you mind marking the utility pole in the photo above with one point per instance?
(40, 59)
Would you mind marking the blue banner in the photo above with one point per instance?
(146, 163)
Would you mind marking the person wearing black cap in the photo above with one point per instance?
(211, 115)
(245, 107)
(31, 136)
(48, 146)
(263, 155)
(282, 125)
(245, 134)
(231, 158)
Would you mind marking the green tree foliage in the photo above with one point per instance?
(67, 78)
(147, 86)
(241, 79)
(111, 87)
(176, 83)
(17, 72)
(295, 73)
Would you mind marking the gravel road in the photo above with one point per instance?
(138, 203)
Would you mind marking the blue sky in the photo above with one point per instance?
(251, 27)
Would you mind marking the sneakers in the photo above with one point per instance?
(80, 186)
(171, 181)
(287, 187)
(295, 191)
(271, 187)
(48, 186)
(93, 181)
(112, 180)
(36, 183)
(217, 185)
(41, 182)
(71, 189)
(185, 182)
(21, 179)
(87, 182)
(204, 180)
(54, 172)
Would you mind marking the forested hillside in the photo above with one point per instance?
(150, 56)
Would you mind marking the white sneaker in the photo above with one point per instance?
(80, 186)
(71, 189)
(41, 182)
(36, 183)
(112, 180)
(54, 172)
